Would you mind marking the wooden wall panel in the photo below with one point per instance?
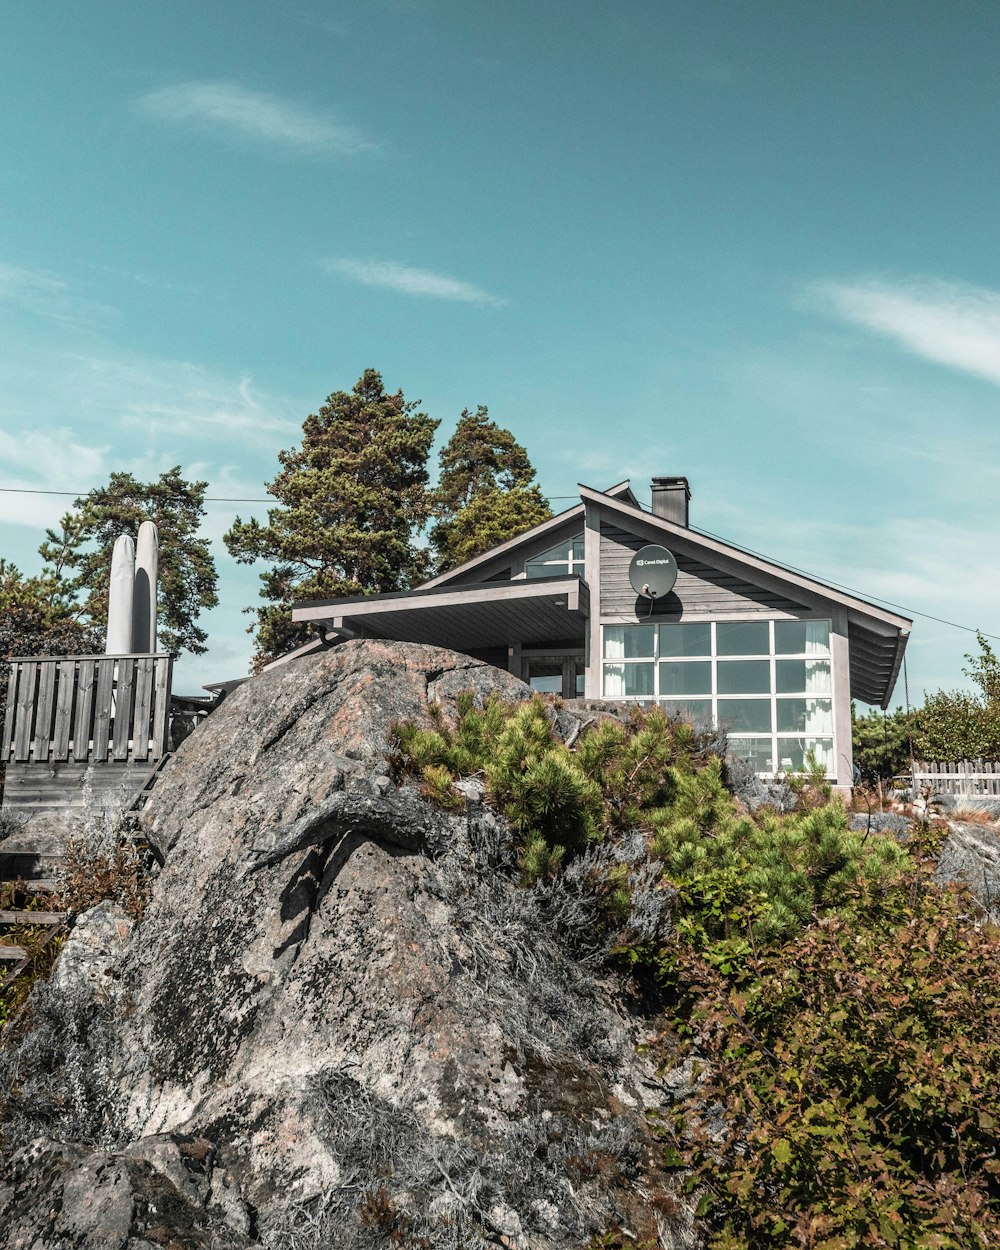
(699, 589)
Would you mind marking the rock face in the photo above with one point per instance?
(341, 1021)
(971, 855)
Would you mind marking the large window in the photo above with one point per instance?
(564, 559)
(768, 683)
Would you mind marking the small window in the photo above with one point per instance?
(628, 680)
(744, 677)
(811, 716)
(694, 638)
(758, 752)
(796, 754)
(697, 711)
(558, 561)
(802, 676)
(741, 716)
(802, 637)
(629, 642)
(742, 638)
(694, 677)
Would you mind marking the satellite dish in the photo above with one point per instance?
(652, 572)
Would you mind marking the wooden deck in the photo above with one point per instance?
(83, 730)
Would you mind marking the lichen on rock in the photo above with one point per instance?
(345, 994)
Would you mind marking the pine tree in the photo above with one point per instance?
(79, 555)
(485, 493)
(352, 497)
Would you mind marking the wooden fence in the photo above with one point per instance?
(965, 777)
(87, 709)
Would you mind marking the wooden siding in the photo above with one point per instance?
(699, 589)
(87, 709)
(53, 787)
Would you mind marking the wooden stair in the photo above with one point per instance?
(32, 873)
(14, 958)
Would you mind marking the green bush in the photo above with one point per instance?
(852, 1096)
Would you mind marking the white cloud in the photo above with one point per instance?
(410, 281)
(176, 399)
(46, 295)
(948, 323)
(237, 112)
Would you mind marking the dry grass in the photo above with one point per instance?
(972, 816)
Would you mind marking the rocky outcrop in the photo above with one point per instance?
(341, 1021)
(971, 855)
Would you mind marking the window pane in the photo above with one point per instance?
(793, 753)
(692, 639)
(697, 711)
(745, 715)
(534, 569)
(578, 548)
(742, 638)
(813, 716)
(547, 684)
(638, 679)
(627, 680)
(802, 676)
(545, 676)
(694, 677)
(629, 642)
(758, 752)
(802, 637)
(744, 677)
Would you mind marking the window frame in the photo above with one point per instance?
(772, 697)
(575, 565)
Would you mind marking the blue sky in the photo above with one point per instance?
(755, 243)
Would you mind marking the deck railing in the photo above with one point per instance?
(86, 708)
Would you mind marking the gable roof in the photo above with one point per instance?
(512, 545)
(877, 636)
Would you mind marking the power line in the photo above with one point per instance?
(853, 590)
(81, 494)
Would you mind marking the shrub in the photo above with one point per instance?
(853, 1088)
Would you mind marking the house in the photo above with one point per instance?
(774, 656)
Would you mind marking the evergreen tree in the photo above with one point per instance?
(352, 498)
(79, 556)
(485, 493)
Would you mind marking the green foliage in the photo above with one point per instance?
(984, 669)
(845, 1013)
(956, 725)
(485, 492)
(351, 499)
(79, 555)
(747, 880)
(881, 744)
(741, 879)
(856, 1070)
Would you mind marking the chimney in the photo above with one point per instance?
(671, 496)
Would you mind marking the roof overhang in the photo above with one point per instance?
(463, 618)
